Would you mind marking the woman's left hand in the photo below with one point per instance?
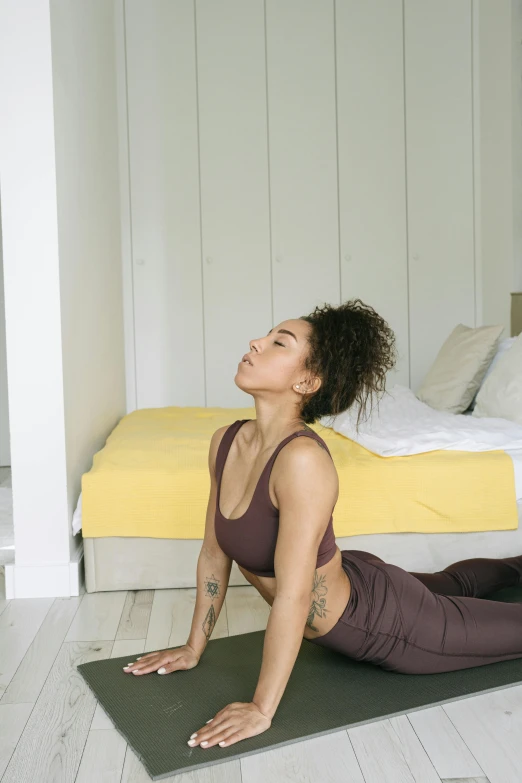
(234, 722)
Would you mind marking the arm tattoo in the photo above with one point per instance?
(211, 591)
(209, 623)
(212, 587)
(318, 606)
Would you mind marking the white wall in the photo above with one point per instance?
(276, 165)
(500, 159)
(5, 450)
(89, 231)
(63, 299)
(250, 139)
(516, 102)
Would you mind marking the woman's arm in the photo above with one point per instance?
(306, 495)
(213, 574)
(213, 569)
(283, 639)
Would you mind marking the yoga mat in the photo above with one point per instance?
(326, 692)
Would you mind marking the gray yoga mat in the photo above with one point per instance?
(327, 691)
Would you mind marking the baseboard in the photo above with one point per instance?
(47, 581)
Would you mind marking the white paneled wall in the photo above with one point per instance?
(288, 153)
(5, 441)
(439, 134)
(235, 214)
(163, 146)
(300, 39)
(372, 161)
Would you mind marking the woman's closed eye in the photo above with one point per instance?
(281, 344)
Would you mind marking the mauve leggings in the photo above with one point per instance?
(427, 623)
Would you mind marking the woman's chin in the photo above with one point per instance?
(239, 381)
(242, 382)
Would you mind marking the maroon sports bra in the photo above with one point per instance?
(251, 539)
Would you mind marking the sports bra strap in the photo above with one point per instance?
(224, 446)
(230, 433)
(316, 437)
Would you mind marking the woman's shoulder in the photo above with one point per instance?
(310, 442)
(317, 438)
(306, 456)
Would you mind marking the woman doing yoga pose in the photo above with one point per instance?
(274, 518)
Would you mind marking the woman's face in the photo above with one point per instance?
(276, 359)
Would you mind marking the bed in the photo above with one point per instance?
(419, 487)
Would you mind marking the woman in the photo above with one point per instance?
(274, 517)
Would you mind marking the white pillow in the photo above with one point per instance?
(501, 394)
(503, 346)
(461, 364)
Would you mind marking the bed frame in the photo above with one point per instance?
(118, 563)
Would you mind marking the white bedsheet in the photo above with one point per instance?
(400, 424)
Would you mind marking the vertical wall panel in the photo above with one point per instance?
(5, 438)
(499, 153)
(164, 177)
(372, 186)
(303, 155)
(234, 188)
(440, 175)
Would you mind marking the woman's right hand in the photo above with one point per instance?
(180, 658)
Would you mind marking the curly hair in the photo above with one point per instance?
(351, 350)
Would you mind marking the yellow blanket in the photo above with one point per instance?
(151, 479)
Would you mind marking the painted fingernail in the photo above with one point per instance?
(139, 659)
(191, 742)
(222, 743)
(162, 670)
(194, 735)
(125, 667)
(204, 743)
(210, 721)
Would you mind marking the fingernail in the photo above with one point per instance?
(193, 735)
(222, 743)
(210, 721)
(139, 659)
(162, 670)
(191, 742)
(126, 667)
(204, 743)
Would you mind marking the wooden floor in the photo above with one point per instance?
(53, 731)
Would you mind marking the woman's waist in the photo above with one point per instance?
(331, 593)
(373, 605)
